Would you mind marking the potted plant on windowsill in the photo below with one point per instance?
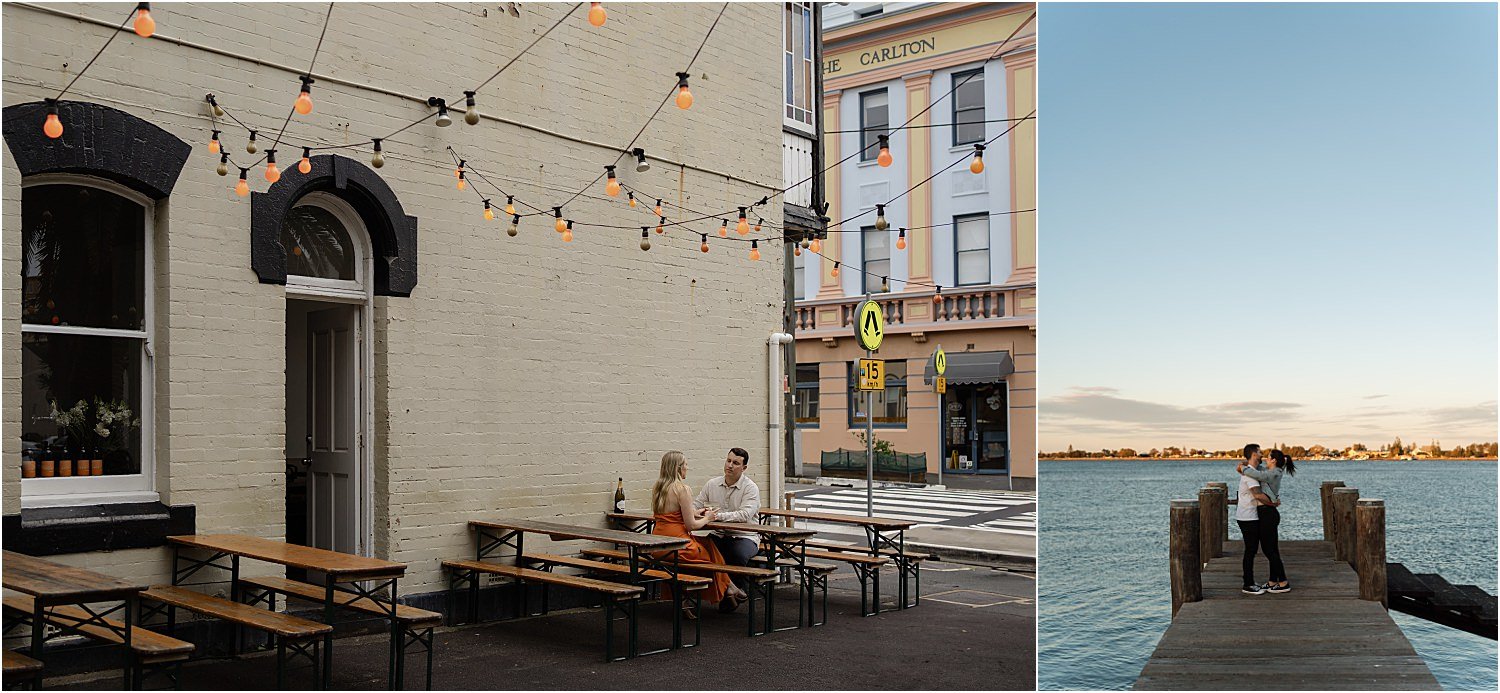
(114, 422)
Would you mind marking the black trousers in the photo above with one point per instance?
(1250, 530)
(736, 551)
(1270, 522)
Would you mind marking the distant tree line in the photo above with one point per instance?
(1393, 450)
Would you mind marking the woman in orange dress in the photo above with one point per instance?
(672, 504)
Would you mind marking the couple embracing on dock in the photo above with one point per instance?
(1259, 516)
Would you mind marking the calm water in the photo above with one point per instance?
(1103, 592)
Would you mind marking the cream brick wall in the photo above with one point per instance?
(523, 375)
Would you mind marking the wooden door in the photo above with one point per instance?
(334, 488)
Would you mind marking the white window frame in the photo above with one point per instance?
(989, 260)
(122, 488)
(867, 276)
(355, 290)
(789, 88)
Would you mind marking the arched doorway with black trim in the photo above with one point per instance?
(337, 238)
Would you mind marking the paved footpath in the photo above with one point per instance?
(974, 630)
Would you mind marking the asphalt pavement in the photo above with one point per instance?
(974, 629)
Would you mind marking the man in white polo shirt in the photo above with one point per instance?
(737, 499)
(1245, 514)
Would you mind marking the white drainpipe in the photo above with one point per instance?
(776, 416)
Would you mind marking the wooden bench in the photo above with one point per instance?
(861, 548)
(411, 626)
(466, 573)
(761, 581)
(692, 585)
(301, 633)
(866, 568)
(149, 650)
(20, 668)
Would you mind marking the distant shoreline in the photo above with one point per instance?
(1231, 459)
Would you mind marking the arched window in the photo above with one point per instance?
(326, 247)
(85, 325)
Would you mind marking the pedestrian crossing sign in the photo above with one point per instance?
(871, 375)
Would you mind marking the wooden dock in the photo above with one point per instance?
(1331, 632)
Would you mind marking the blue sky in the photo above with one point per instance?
(1267, 222)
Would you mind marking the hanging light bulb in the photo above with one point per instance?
(631, 196)
(53, 126)
(797, 250)
(242, 188)
(611, 186)
(937, 298)
(645, 239)
(442, 120)
(471, 113)
(754, 250)
(835, 272)
(684, 97)
(568, 232)
(250, 145)
(880, 223)
(814, 245)
(515, 225)
(885, 287)
(145, 26)
(305, 165)
(901, 239)
(213, 143)
(641, 165)
(488, 213)
(658, 207)
(223, 168)
(273, 174)
(977, 165)
(560, 225)
(704, 247)
(378, 159)
(661, 225)
(885, 152)
(510, 205)
(723, 229)
(460, 173)
(596, 13)
(218, 112)
(804, 244)
(758, 222)
(743, 227)
(304, 99)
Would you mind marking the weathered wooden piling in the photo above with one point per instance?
(1325, 492)
(1343, 516)
(1187, 579)
(1211, 512)
(1369, 549)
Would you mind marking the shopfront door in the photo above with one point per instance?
(976, 430)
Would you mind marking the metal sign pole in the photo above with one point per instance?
(869, 448)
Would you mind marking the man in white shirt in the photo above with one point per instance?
(1247, 517)
(737, 499)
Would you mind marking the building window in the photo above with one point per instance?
(807, 395)
(890, 404)
(869, 12)
(968, 107)
(85, 317)
(874, 118)
(971, 244)
(799, 276)
(797, 57)
(875, 257)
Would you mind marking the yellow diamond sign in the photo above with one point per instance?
(869, 325)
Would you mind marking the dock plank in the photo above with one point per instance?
(1319, 636)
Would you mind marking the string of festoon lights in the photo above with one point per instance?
(680, 94)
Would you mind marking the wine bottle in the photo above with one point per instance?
(620, 495)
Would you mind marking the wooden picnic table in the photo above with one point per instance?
(881, 533)
(55, 584)
(343, 572)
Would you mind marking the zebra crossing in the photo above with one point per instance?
(991, 511)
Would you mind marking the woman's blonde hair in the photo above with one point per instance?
(666, 479)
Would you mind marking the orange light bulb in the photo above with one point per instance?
(273, 174)
(835, 272)
(704, 247)
(597, 15)
(461, 184)
(684, 98)
(304, 103)
(723, 229)
(53, 127)
(242, 188)
(885, 158)
(901, 242)
(658, 209)
(305, 165)
(561, 225)
(568, 233)
(510, 208)
(145, 26)
(489, 214)
(213, 143)
(814, 245)
(977, 166)
(632, 200)
(743, 227)
(754, 251)
(797, 250)
(612, 188)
